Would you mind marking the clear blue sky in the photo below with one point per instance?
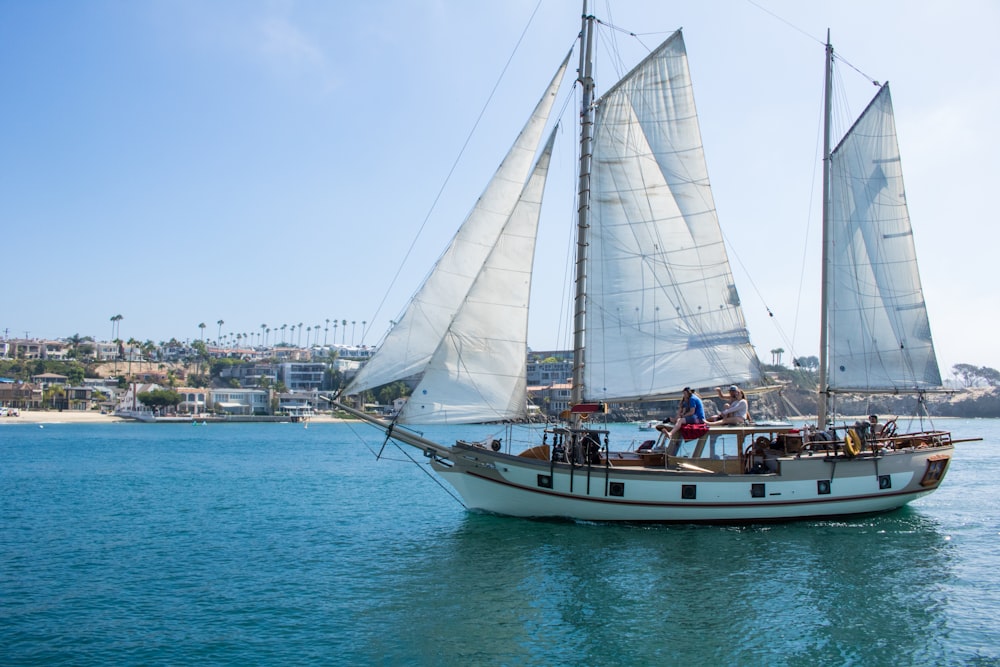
(269, 163)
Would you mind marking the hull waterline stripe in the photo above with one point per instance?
(689, 504)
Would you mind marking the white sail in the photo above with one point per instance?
(879, 333)
(477, 373)
(407, 349)
(662, 308)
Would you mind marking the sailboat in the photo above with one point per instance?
(656, 310)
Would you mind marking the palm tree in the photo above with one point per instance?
(335, 323)
(202, 325)
(132, 343)
(326, 331)
(343, 333)
(300, 334)
(283, 326)
(293, 333)
(363, 329)
(116, 320)
(267, 336)
(354, 327)
(220, 323)
(262, 328)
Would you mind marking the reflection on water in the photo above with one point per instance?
(868, 591)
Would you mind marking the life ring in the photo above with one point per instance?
(852, 443)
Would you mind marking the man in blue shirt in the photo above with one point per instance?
(691, 411)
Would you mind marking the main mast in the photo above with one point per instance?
(821, 408)
(585, 77)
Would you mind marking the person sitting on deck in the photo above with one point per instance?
(733, 413)
(692, 411)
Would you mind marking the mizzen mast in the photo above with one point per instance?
(823, 400)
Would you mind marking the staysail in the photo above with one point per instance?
(408, 347)
(662, 310)
(477, 373)
(879, 333)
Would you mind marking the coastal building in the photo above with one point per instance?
(105, 350)
(34, 348)
(20, 395)
(240, 401)
(251, 375)
(550, 366)
(303, 376)
(78, 398)
(46, 380)
(129, 405)
(298, 404)
(551, 399)
(194, 400)
(355, 352)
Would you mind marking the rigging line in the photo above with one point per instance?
(786, 22)
(426, 472)
(634, 35)
(407, 456)
(809, 223)
(821, 42)
(454, 165)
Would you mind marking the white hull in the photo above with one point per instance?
(516, 486)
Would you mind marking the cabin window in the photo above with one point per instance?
(936, 467)
(689, 491)
(884, 482)
(545, 481)
(823, 487)
(756, 490)
(616, 489)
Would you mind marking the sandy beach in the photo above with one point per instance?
(57, 417)
(93, 417)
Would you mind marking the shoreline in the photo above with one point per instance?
(91, 417)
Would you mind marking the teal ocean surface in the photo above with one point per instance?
(274, 544)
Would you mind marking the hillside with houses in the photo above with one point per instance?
(199, 378)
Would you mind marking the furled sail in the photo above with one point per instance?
(408, 347)
(879, 333)
(662, 307)
(477, 373)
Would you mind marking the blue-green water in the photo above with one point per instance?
(274, 544)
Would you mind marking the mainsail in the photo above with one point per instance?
(879, 334)
(662, 310)
(409, 346)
